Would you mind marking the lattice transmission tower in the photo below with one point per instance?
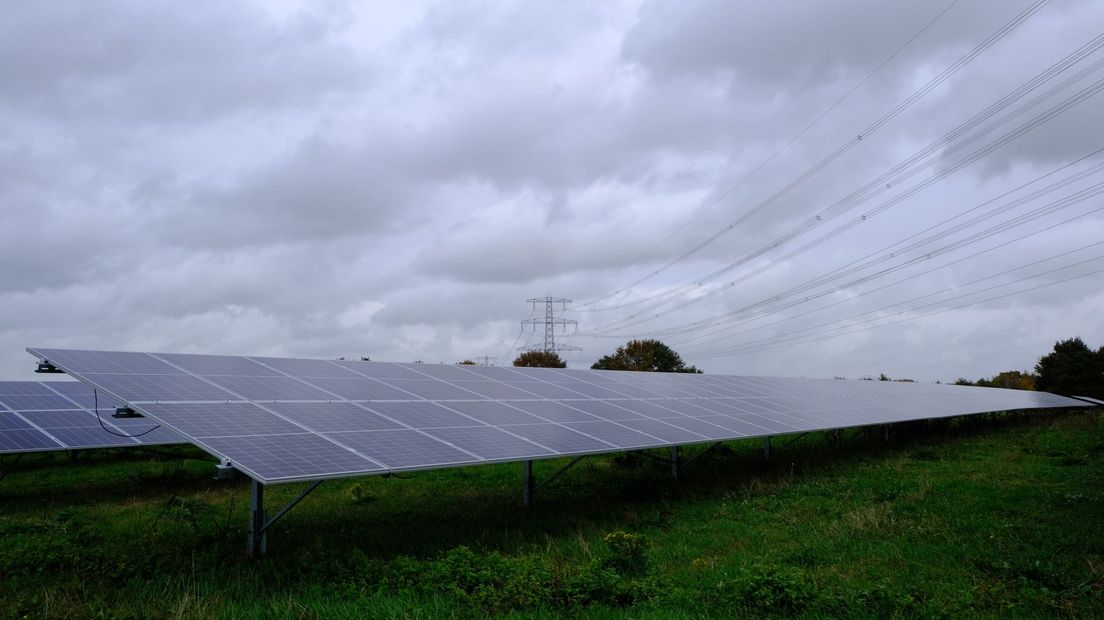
(550, 321)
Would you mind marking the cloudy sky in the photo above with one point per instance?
(798, 188)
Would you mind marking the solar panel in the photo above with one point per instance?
(59, 415)
(283, 420)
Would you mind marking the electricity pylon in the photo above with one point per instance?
(550, 321)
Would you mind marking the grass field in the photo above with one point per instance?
(992, 518)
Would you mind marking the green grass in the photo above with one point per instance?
(991, 518)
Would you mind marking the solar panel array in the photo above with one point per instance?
(283, 420)
(60, 415)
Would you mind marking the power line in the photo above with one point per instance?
(894, 176)
(865, 133)
(831, 108)
(885, 254)
(841, 206)
(794, 338)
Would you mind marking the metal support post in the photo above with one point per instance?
(767, 448)
(530, 485)
(838, 436)
(258, 540)
(675, 462)
(885, 432)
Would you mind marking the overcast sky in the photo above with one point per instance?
(394, 180)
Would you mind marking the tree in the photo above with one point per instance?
(1072, 369)
(1010, 379)
(540, 359)
(466, 363)
(646, 355)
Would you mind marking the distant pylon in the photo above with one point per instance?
(550, 321)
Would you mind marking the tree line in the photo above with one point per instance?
(1072, 368)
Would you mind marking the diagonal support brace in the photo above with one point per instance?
(259, 524)
(531, 484)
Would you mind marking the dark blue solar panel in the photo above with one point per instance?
(616, 434)
(606, 410)
(61, 419)
(552, 411)
(665, 431)
(538, 412)
(109, 362)
(491, 443)
(380, 370)
(597, 391)
(305, 368)
(422, 414)
(404, 449)
(26, 441)
(700, 427)
(10, 421)
(270, 388)
(360, 389)
(545, 390)
(302, 455)
(32, 402)
(433, 390)
(495, 390)
(30, 387)
(494, 414)
(139, 388)
(652, 409)
(334, 416)
(560, 438)
(90, 437)
(220, 419)
(206, 365)
(439, 371)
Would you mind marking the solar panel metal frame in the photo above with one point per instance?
(711, 401)
(70, 404)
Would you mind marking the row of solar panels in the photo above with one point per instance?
(283, 420)
(61, 415)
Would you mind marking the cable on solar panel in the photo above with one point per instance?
(96, 408)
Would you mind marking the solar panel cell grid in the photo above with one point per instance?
(209, 365)
(290, 456)
(495, 414)
(538, 412)
(29, 387)
(605, 410)
(48, 421)
(360, 389)
(61, 419)
(149, 388)
(333, 416)
(616, 434)
(560, 438)
(202, 420)
(10, 421)
(553, 411)
(491, 443)
(494, 390)
(422, 415)
(304, 368)
(269, 388)
(404, 448)
(26, 440)
(432, 390)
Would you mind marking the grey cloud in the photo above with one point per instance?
(168, 62)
